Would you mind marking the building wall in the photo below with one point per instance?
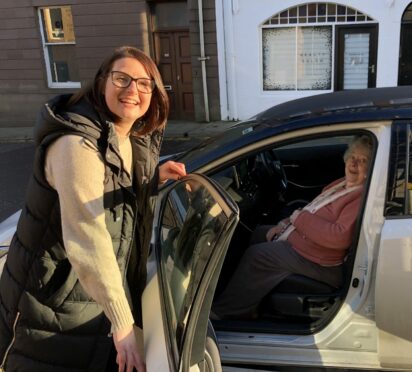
(99, 26)
(212, 73)
(240, 51)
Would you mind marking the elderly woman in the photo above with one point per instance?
(312, 242)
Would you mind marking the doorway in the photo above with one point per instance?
(172, 51)
(356, 52)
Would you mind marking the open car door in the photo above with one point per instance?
(196, 221)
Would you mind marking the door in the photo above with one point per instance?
(196, 223)
(356, 51)
(174, 61)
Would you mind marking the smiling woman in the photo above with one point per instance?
(81, 242)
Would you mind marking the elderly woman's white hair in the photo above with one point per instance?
(362, 141)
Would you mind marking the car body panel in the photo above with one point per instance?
(393, 294)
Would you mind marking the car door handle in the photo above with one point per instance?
(168, 87)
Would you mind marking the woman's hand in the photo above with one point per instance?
(275, 230)
(171, 170)
(129, 347)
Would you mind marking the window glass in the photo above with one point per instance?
(279, 58)
(314, 62)
(59, 46)
(297, 58)
(398, 168)
(170, 14)
(356, 61)
(191, 224)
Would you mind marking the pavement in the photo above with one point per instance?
(175, 129)
(17, 152)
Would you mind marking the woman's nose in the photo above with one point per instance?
(133, 87)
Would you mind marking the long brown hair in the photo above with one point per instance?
(158, 110)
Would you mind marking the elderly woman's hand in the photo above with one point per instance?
(171, 170)
(276, 230)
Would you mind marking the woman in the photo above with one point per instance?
(312, 242)
(76, 266)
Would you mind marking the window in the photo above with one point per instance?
(297, 58)
(399, 194)
(405, 51)
(298, 47)
(56, 26)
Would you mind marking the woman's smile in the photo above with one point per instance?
(127, 103)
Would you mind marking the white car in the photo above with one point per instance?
(253, 174)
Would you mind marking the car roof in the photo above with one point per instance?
(347, 101)
(361, 105)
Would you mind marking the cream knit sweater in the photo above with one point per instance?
(75, 169)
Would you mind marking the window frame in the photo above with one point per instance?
(45, 45)
(266, 24)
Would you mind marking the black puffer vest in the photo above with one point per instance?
(47, 321)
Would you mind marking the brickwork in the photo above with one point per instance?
(99, 26)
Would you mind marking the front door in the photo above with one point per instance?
(356, 51)
(174, 61)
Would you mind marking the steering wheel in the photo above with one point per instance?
(274, 168)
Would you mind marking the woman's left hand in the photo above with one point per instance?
(171, 170)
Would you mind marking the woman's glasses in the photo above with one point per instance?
(123, 80)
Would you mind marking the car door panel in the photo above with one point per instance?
(393, 291)
(197, 220)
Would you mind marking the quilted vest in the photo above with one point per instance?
(47, 321)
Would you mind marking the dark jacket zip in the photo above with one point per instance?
(11, 343)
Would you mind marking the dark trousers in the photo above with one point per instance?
(263, 266)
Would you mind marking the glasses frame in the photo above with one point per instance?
(131, 79)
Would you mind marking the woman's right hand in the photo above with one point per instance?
(275, 230)
(129, 350)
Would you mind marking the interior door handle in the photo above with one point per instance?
(168, 87)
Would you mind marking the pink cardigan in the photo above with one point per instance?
(325, 236)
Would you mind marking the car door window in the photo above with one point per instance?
(195, 217)
(399, 190)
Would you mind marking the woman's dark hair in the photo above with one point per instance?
(157, 113)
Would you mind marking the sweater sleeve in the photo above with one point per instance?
(336, 234)
(75, 169)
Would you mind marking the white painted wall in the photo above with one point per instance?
(240, 50)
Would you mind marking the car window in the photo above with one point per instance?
(191, 224)
(399, 190)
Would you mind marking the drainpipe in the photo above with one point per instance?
(203, 59)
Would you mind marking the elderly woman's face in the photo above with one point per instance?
(356, 166)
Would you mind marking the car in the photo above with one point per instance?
(255, 173)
